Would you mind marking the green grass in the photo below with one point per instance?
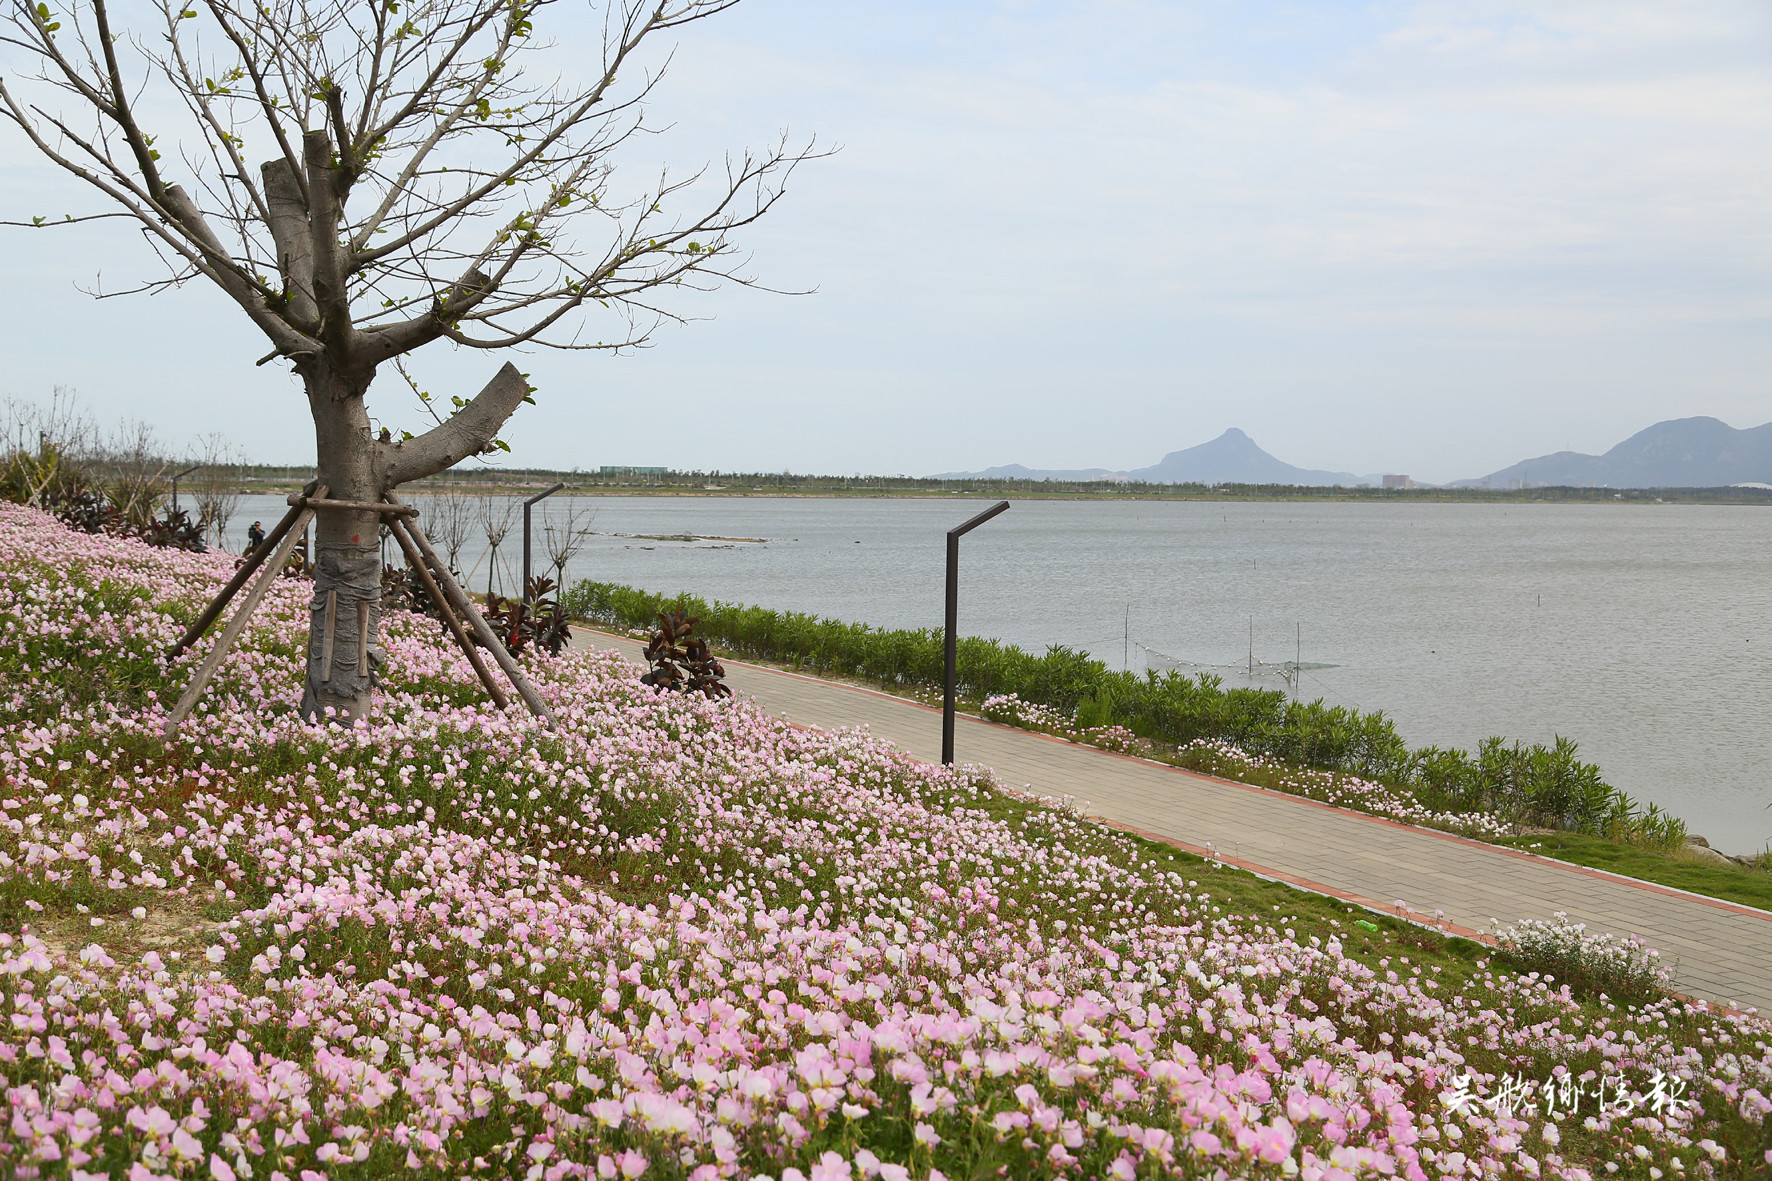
(1750, 887)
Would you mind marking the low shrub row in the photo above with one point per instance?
(1521, 784)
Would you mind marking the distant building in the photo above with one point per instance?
(1398, 482)
(607, 470)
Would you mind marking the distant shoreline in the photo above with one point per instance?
(827, 488)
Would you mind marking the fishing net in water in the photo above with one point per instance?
(1288, 671)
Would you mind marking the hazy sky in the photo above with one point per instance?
(1424, 237)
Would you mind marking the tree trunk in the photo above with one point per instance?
(344, 658)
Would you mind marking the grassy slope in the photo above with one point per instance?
(305, 797)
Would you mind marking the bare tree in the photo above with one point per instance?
(497, 514)
(48, 447)
(565, 534)
(62, 424)
(416, 184)
(216, 486)
(449, 521)
(134, 470)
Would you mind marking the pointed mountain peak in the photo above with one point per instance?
(1234, 458)
(1231, 458)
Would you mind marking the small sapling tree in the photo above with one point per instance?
(367, 178)
(565, 537)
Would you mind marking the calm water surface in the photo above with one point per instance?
(1641, 631)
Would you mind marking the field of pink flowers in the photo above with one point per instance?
(682, 939)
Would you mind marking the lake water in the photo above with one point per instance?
(1641, 631)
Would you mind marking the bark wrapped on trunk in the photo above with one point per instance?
(343, 674)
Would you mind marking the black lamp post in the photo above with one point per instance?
(527, 505)
(175, 481)
(947, 699)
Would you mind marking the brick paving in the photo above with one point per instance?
(1723, 950)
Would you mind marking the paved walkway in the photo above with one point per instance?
(1724, 951)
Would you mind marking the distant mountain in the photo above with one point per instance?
(1678, 453)
(1015, 471)
(1232, 458)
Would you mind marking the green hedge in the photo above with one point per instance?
(1537, 785)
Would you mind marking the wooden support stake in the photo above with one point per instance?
(220, 603)
(489, 638)
(236, 625)
(355, 506)
(326, 635)
(417, 560)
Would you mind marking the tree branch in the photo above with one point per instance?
(579, 109)
(120, 112)
(267, 106)
(468, 432)
(288, 222)
(325, 210)
(476, 179)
